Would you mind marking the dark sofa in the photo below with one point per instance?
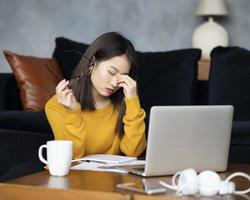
(21, 133)
(163, 78)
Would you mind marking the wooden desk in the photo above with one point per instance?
(97, 185)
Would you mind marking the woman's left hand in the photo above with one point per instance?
(128, 85)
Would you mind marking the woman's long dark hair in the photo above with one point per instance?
(106, 46)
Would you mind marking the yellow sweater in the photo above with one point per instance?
(93, 132)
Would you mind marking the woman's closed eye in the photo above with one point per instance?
(111, 72)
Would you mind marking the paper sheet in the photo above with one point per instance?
(97, 166)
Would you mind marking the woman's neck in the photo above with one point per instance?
(100, 101)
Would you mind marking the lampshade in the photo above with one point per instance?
(212, 7)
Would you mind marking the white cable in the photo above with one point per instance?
(174, 185)
(171, 187)
(174, 178)
(242, 175)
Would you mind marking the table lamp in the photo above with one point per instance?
(210, 34)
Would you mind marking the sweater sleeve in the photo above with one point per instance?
(133, 141)
(67, 125)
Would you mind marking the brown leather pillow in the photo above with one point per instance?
(36, 79)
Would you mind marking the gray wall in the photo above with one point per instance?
(30, 26)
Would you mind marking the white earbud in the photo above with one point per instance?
(210, 183)
(207, 183)
(187, 182)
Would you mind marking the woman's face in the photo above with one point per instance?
(104, 73)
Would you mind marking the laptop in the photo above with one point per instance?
(181, 137)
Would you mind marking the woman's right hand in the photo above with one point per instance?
(65, 96)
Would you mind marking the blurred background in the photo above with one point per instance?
(29, 27)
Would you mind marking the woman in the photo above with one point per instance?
(98, 109)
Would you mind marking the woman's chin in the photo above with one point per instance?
(105, 94)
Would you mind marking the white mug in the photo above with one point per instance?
(59, 156)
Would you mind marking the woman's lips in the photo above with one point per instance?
(109, 90)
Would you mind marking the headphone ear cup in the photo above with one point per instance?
(187, 183)
(209, 183)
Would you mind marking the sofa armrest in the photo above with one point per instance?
(9, 93)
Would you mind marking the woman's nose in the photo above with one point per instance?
(114, 81)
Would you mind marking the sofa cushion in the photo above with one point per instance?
(36, 79)
(9, 93)
(241, 133)
(167, 78)
(68, 53)
(229, 80)
(19, 152)
(26, 121)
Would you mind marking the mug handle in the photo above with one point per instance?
(40, 155)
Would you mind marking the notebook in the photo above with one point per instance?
(181, 137)
(106, 158)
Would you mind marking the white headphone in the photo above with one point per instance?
(207, 183)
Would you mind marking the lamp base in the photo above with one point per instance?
(209, 35)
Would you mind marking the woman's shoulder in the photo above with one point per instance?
(52, 100)
(52, 103)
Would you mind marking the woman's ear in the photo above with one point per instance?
(93, 62)
(90, 69)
